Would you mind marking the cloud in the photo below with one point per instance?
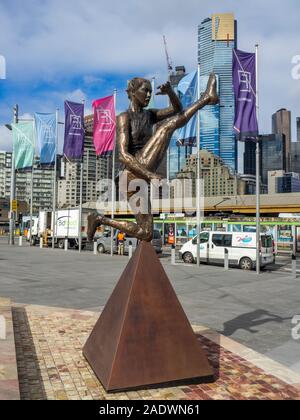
(92, 80)
(5, 139)
(76, 95)
(54, 41)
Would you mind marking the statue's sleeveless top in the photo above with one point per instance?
(140, 129)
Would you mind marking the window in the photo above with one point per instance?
(217, 240)
(266, 241)
(227, 240)
(222, 240)
(204, 237)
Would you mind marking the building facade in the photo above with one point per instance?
(281, 182)
(94, 169)
(42, 182)
(273, 154)
(281, 124)
(217, 37)
(5, 174)
(295, 157)
(217, 177)
(42, 190)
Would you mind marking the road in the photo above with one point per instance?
(254, 310)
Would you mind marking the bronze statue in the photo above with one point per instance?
(141, 151)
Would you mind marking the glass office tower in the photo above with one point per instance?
(217, 36)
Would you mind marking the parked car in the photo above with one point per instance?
(241, 249)
(104, 243)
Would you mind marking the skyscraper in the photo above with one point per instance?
(298, 129)
(272, 154)
(217, 37)
(295, 157)
(281, 124)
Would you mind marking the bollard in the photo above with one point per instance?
(95, 248)
(20, 240)
(226, 259)
(66, 244)
(173, 255)
(41, 243)
(294, 266)
(130, 251)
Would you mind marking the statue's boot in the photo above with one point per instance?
(94, 221)
(211, 90)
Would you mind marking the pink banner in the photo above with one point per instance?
(104, 125)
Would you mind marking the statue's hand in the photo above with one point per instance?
(164, 89)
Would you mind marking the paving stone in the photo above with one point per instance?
(59, 371)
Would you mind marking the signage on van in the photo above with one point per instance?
(247, 240)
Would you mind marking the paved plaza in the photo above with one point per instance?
(255, 312)
(51, 365)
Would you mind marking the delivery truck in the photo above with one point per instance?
(64, 225)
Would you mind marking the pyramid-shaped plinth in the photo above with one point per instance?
(143, 336)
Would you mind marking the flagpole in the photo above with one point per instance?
(113, 193)
(198, 172)
(80, 206)
(257, 171)
(55, 183)
(13, 187)
(80, 198)
(31, 203)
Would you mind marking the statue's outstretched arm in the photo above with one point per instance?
(130, 162)
(175, 104)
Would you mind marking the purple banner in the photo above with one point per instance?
(244, 84)
(74, 130)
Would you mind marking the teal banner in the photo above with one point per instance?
(23, 144)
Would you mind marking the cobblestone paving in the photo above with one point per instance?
(51, 366)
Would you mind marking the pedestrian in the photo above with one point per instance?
(121, 238)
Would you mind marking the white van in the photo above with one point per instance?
(241, 249)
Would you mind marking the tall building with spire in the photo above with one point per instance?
(217, 37)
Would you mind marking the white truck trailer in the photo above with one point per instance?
(64, 225)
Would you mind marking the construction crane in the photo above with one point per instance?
(169, 61)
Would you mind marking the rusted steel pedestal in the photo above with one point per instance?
(143, 336)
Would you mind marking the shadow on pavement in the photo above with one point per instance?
(29, 372)
(249, 321)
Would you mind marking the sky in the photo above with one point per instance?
(83, 50)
